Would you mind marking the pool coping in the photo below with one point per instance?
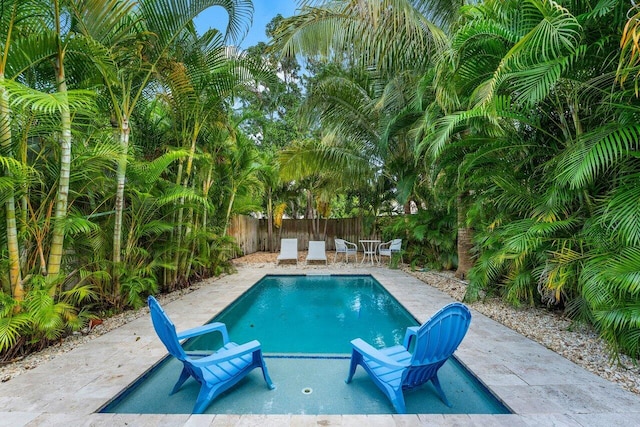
(540, 386)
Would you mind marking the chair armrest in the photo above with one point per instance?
(411, 332)
(353, 245)
(223, 356)
(205, 329)
(385, 245)
(373, 353)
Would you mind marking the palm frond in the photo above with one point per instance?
(167, 19)
(179, 194)
(150, 172)
(106, 21)
(22, 96)
(389, 34)
(310, 157)
(621, 213)
(596, 152)
(12, 328)
(630, 56)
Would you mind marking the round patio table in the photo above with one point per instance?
(369, 247)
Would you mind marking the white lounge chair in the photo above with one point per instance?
(288, 250)
(347, 248)
(317, 251)
(389, 248)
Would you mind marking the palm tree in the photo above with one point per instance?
(275, 190)
(479, 71)
(135, 57)
(630, 58)
(239, 176)
(7, 24)
(43, 38)
(545, 141)
(390, 35)
(200, 78)
(370, 117)
(60, 50)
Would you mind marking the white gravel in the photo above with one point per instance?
(16, 367)
(581, 345)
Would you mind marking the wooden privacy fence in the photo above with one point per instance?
(251, 234)
(245, 230)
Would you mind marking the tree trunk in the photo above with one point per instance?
(407, 207)
(176, 233)
(324, 232)
(232, 199)
(119, 206)
(194, 218)
(15, 277)
(120, 182)
(465, 245)
(57, 240)
(269, 221)
(308, 213)
(206, 187)
(181, 214)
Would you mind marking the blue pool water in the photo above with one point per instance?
(313, 314)
(305, 325)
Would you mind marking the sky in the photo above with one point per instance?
(263, 12)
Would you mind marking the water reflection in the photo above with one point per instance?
(309, 314)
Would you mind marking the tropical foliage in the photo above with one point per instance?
(519, 117)
(116, 143)
(499, 138)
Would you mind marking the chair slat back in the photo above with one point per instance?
(396, 245)
(166, 330)
(317, 247)
(289, 246)
(441, 335)
(416, 376)
(341, 246)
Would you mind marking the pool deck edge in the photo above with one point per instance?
(540, 386)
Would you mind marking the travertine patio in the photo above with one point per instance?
(538, 385)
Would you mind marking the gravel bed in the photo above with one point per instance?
(16, 367)
(580, 345)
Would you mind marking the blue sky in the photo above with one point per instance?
(263, 12)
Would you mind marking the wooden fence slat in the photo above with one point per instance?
(245, 230)
(251, 233)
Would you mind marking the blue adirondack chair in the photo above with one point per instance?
(216, 372)
(395, 369)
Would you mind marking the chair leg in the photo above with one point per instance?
(184, 375)
(205, 397)
(267, 378)
(355, 359)
(395, 396)
(397, 399)
(436, 383)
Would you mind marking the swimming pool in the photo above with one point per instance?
(305, 324)
(312, 314)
